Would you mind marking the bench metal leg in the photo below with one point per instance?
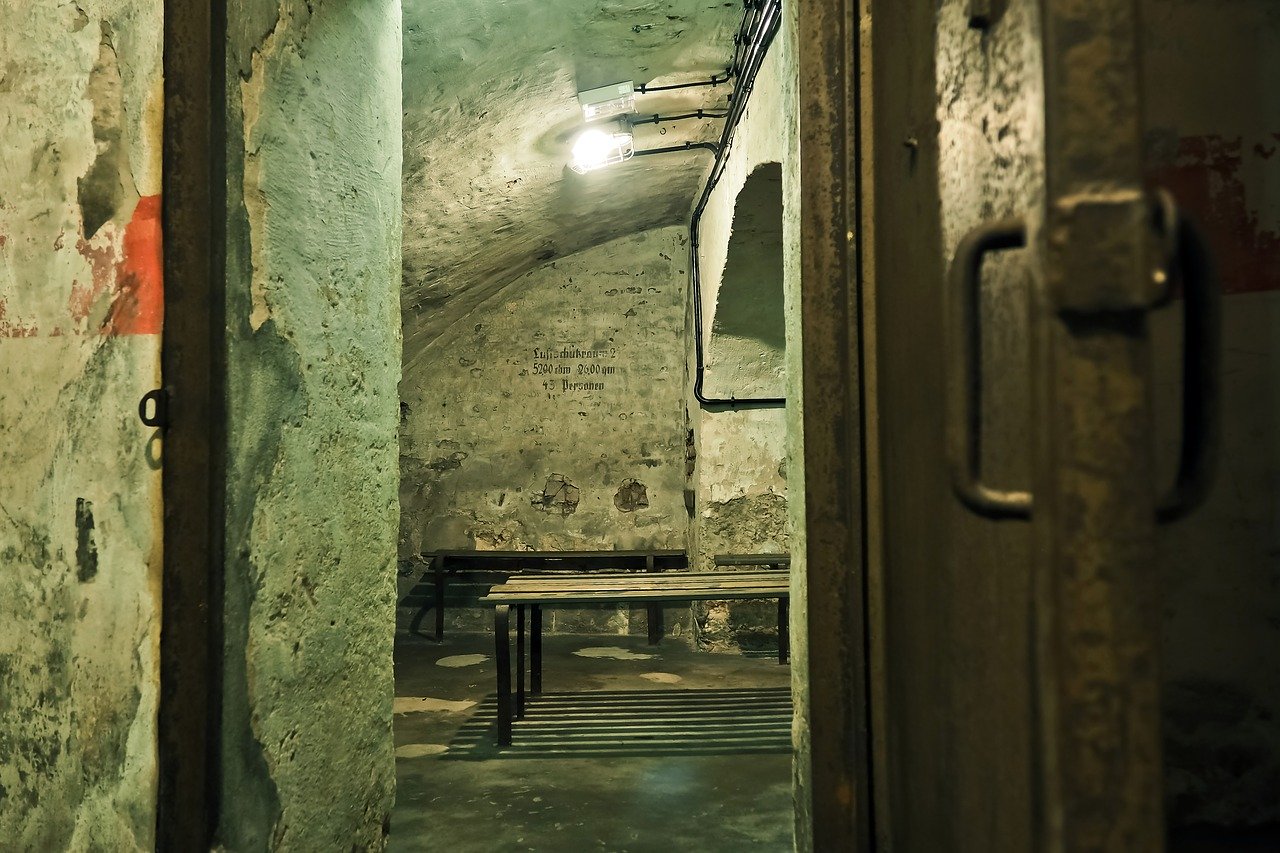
(502, 638)
(654, 619)
(784, 631)
(439, 606)
(535, 650)
(519, 661)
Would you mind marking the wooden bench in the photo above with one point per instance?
(772, 561)
(535, 592)
(443, 564)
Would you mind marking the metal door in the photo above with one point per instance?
(1014, 610)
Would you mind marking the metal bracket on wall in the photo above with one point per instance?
(158, 399)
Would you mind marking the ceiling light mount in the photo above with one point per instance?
(605, 101)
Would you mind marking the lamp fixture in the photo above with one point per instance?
(605, 101)
(595, 148)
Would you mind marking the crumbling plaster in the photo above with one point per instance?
(490, 114)
(313, 349)
(80, 291)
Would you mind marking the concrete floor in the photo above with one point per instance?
(632, 748)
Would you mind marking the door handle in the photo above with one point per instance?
(1189, 263)
(1192, 265)
(963, 376)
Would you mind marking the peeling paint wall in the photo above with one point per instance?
(551, 417)
(80, 312)
(740, 478)
(1213, 139)
(313, 324)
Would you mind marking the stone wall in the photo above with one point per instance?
(551, 417)
(80, 314)
(313, 340)
(740, 479)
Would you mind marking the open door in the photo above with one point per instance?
(1015, 262)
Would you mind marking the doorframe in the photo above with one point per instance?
(831, 98)
(193, 476)
(833, 91)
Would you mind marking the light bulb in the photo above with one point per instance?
(595, 149)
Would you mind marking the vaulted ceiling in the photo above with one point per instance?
(490, 113)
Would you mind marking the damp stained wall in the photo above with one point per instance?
(313, 347)
(1213, 140)
(741, 471)
(551, 417)
(80, 315)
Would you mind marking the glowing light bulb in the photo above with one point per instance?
(595, 149)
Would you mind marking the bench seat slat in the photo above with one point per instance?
(751, 559)
(647, 579)
(633, 581)
(656, 577)
(614, 595)
(624, 584)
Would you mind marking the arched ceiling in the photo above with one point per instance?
(490, 111)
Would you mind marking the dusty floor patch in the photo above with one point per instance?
(612, 652)
(419, 704)
(662, 677)
(455, 661)
(418, 750)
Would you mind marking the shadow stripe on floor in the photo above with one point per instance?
(643, 723)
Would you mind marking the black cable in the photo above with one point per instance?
(658, 119)
(714, 80)
(688, 146)
(759, 25)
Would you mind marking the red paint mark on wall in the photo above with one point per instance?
(127, 274)
(14, 328)
(102, 276)
(1207, 175)
(138, 306)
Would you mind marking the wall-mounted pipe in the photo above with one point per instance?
(658, 119)
(670, 149)
(760, 24)
(715, 80)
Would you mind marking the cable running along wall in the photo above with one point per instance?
(760, 24)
